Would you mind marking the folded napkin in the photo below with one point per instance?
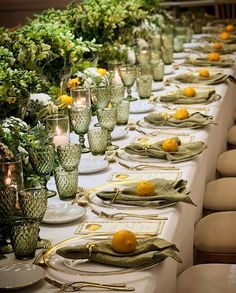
(203, 97)
(148, 252)
(203, 61)
(211, 80)
(231, 40)
(226, 49)
(166, 192)
(195, 120)
(185, 151)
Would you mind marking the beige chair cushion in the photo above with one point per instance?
(216, 233)
(220, 195)
(231, 135)
(208, 278)
(226, 164)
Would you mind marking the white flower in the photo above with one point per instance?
(6, 130)
(92, 71)
(41, 97)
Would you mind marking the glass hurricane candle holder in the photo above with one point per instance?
(81, 97)
(167, 55)
(11, 175)
(42, 160)
(80, 120)
(66, 183)
(123, 113)
(100, 96)
(69, 156)
(58, 126)
(158, 70)
(107, 119)
(97, 138)
(117, 93)
(128, 75)
(143, 56)
(144, 86)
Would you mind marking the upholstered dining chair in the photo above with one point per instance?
(208, 278)
(225, 9)
(231, 137)
(215, 238)
(225, 164)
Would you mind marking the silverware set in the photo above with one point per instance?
(140, 167)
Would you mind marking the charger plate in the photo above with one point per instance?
(83, 267)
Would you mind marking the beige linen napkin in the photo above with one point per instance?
(211, 80)
(148, 252)
(204, 61)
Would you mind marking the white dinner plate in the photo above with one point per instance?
(118, 133)
(59, 213)
(18, 276)
(138, 107)
(180, 55)
(92, 165)
(169, 69)
(157, 86)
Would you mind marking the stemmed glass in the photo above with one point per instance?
(42, 160)
(100, 96)
(80, 119)
(128, 74)
(107, 119)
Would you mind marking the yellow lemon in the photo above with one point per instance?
(66, 100)
(217, 45)
(230, 28)
(189, 92)
(214, 57)
(169, 145)
(102, 71)
(73, 82)
(224, 36)
(204, 73)
(145, 188)
(181, 114)
(124, 241)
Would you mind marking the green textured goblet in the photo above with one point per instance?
(167, 40)
(69, 156)
(97, 138)
(128, 74)
(167, 54)
(158, 70)
(144, 86)
(117, 93)
(145, 69)
(123, 113)
(66, 183)
(156, 55)
(80, 120)
(107, 119)
(156, 41)
(143, 56)
(42, 160)
(100, 96)
(178, 44)
(24, 238)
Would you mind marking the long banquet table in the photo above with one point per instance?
(179, 228)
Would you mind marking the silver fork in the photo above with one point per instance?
(143, 166)
(120, 216)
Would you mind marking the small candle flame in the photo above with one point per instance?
(58, 130)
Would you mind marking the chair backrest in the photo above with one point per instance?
(225, 9)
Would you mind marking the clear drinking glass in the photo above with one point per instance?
(69, 156)
(144, 86)
(80, 120)
(24, 238)
(81, 97)
(97, 138)
(107, 119)
(128, 75)
(158, 70)
(100, 96)
(66, 183)
(123, 113)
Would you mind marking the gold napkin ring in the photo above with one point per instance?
(117, 193)
(90, 245)
(145, 148)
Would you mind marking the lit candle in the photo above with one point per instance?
(80, 103)
(117, 78)
(8, 181)
(60, 138)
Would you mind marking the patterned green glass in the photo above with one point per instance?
(143, 56)
(156, 41)
(117, 93)
(69, 156)
(167, 54)
(189, 35)
(145, 69)
(197, 26)
(24, 237)
(178, 44)
(123, 113)
(107, 119)
(42, 160)
(144, 86)
(80, 120)
(97, 138)
(7, 202)
(100, 96)
(128, 74)
(66, 183)
(167, 41)
(156, 55)
(33, 203)
(158, 70)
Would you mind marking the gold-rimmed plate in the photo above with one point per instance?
(84, 267)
